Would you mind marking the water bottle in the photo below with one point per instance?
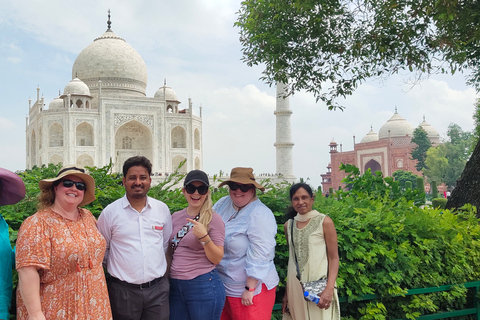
(311, 297)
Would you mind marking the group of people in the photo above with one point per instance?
(203, 262)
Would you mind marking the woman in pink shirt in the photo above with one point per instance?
(198, 233)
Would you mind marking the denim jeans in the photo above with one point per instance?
(201, 298)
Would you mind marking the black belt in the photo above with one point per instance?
(141, 286)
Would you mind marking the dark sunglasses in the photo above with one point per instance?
(243, 187)
(202, 190)
(69, 183)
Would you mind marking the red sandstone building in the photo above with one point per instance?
(388, 151)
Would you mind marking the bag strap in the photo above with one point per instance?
(183, 232)
(294, 252)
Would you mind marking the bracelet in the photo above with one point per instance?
(249, 289)
(204, 243)
(203, 237)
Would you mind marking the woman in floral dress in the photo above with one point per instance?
(60, 253)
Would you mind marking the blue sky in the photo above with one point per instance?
(194, 45)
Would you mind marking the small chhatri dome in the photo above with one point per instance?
(432, 133)
(56, 104)
(166, 93)
(76, 87)
(370, 137)
(395, 127)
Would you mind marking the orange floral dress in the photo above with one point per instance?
(69, 256)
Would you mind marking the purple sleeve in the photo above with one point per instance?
(216, 230)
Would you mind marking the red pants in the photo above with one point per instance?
(261, 309)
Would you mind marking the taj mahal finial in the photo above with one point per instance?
(109, 22)
(165, 81)
(423, 118)
(396, 109)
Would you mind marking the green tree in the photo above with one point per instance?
(446, 162)
(476, 130)
(404, 176)
(419, 153)
(311, 44)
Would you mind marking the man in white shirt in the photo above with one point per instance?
(137, 229)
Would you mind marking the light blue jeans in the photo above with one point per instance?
(201, 298)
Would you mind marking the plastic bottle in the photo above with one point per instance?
(311, 297)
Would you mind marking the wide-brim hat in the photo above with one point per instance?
(243, 176)
(12, 188)
(71, 170)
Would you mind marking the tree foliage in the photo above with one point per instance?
(329, 47)
(419, 153)
(476, 130)
(446, 162)
(404, 176)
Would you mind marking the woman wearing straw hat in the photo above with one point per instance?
(247, 268)
(12, 190)
(60, 253)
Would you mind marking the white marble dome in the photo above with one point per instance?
(113, 61)
(395, 127)
(370, 137)
(166, 93)
(432, 133)
(56, 104)
(76, 87)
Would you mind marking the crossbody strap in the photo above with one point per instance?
(183, 232)
(294, 252)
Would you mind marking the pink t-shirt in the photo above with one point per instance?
(189, 260)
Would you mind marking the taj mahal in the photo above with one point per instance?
(104, 115)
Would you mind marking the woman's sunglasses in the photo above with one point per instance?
(243, 187)
(202, 190)
(69, 183)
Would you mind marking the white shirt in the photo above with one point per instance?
(136, 241)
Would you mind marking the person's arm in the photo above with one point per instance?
(285, 296)
(213, 252)
(167, 229)
(29, 285)
(261, 246)
(330, 235)
(247, 295)
(103, 227)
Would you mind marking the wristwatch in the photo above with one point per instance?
(249, 289)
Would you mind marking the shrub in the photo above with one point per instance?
(433, 189)
(387, 244)
(439, 203)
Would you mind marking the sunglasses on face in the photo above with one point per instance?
(202, 190)
(243, 187)
(69, 183)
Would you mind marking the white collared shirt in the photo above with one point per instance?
(136, 241)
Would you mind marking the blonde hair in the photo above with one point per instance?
(206, 211)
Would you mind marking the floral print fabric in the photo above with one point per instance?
(68, 255)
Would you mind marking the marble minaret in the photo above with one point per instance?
(283, 144)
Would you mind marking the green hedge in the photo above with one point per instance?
(439, 203)
(387, 244)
